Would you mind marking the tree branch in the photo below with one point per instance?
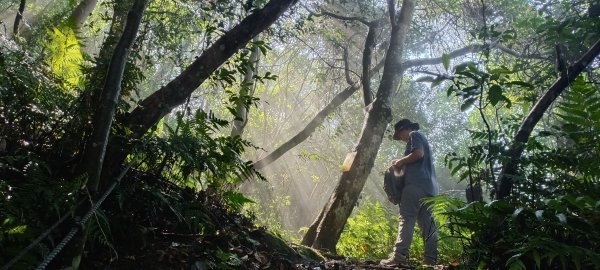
(308, 130)
(438, 60)
(509, 170)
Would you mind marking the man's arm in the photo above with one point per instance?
(410, 158)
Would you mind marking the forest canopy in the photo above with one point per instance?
(145, 129)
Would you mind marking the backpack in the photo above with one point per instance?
(393, 184)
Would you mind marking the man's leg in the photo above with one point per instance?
(429, 234)
(409, 209)
(406, 228)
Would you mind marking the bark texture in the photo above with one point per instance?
(325, 231)
(509, 170)
(366, 65)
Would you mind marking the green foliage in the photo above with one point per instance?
(193, 154)
(64, 55)
(267, 214)
(369, 233)
(33, 106)
(553, 213)
(559, 232)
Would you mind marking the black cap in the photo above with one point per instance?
(405, 123)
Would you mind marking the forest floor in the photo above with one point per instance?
(149, 231)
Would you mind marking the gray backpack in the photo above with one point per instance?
(393, 183)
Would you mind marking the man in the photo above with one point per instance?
(420, 182)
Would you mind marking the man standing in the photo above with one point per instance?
(420, 182)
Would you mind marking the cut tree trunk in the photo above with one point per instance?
(326, 230)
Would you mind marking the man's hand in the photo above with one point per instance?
(397, 163)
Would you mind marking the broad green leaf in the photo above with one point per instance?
(437, 81)
(523, 84)
(450, 90)
(446, 61)
(539, 214)
(516, 213)
(463, 66)
(495, 94)
(467, 104)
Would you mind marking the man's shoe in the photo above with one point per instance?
(394, 260)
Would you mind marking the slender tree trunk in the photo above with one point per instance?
(103, 117)
(19, 17)
(247, 89)
(366, 65)
(80, 129)
(328, 227)
(509, 170)
(102, 122)
(81, 13)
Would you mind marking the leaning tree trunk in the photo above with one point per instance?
(326, 230)
(174, 93)
(103, 117)
(509, 170)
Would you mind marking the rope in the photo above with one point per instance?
(39, 239)
(77, 226)
(80, 224)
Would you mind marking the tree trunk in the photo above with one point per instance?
(78, 125)
(246, 89)
(18, 18)
(81, 13)
(366, 65)
(329, 226)
(509, 170)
